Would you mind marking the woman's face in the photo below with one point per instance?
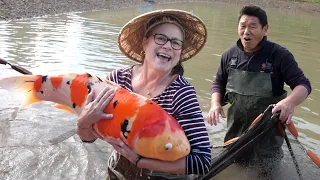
(160, 54)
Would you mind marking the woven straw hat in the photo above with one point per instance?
(131, 35)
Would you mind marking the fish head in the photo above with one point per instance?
(164, 140)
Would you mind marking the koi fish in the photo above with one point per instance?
(141, 123)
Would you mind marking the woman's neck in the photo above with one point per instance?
(150, 83)
(152, 77)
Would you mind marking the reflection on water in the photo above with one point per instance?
(87, 42)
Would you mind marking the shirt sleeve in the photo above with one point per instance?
(112, 76)
(187, 112)
(220, 81)
(292, 74)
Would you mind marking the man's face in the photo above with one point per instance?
(251, 32)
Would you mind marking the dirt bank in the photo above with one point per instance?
(16, 9)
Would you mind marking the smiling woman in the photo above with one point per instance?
(159, 41)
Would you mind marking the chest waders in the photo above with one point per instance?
(119, 168)
(249, 94)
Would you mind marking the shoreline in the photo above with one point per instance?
(19, 9)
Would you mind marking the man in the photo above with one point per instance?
(251, 76)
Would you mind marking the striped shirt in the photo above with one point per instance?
(180, 100)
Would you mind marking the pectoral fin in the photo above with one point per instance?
(63, 108)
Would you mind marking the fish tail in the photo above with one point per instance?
(22, 85)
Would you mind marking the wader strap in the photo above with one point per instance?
(234, 60)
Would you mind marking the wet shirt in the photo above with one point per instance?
(285, 68)
(179, 100)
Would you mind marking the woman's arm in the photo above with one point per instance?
(188, 113)
(176, 167)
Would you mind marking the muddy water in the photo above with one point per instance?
(31, 146)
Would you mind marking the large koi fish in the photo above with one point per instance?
(141, 123)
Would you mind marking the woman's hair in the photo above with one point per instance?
(256, 12)
(178, 69)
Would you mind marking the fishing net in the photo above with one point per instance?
(294, 164)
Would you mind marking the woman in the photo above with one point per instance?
(159, 41)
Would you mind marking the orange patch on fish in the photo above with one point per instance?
(79, 89)
(56, 81)
(150, 109)
(121, 112)
(38, 83)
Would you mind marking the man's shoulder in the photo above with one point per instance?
(231, 49)
(278, 49)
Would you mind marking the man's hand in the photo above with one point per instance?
(286, 110)
(213, 114)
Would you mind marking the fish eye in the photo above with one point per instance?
(168, 146)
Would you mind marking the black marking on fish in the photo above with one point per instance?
(115, 104)
(151, 103)
(124, 128)
(68, 82)
(99, 79)
(44, 79)
(89, 75)
(41, 92)
(89, 87)
(74, 105)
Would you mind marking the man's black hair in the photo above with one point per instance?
(256, 12)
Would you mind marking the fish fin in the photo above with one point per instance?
(63, 108)
(63, 136)
(30, 99)
(22, 85)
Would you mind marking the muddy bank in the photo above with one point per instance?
(17, 9)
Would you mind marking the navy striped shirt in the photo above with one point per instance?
(180, 100)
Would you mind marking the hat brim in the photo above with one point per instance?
(131, 35)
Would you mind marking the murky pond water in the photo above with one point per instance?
(87, 42)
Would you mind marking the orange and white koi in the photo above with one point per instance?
(141, 123)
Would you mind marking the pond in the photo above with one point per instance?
(86, 42)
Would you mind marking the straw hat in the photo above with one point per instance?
(131, 35)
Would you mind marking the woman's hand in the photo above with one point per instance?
(124, 150)
(93, 112)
